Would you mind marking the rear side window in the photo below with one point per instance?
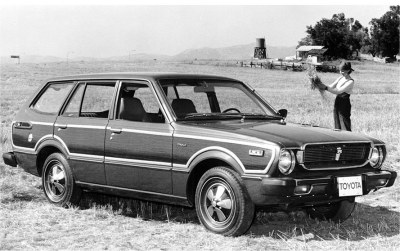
(91, 100)
(52, 98)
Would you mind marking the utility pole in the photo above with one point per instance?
(69, 52)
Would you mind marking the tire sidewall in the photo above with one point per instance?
(70, 188)
(217, 227)
(242, 207)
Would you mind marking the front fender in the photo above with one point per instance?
(217, 153)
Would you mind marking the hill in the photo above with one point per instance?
(237, 52)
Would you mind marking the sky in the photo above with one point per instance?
(105, 30)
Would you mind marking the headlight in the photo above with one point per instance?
(286, 162)
(376, 158)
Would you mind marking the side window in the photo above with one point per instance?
(52, 98)
(96, 102)
(72, 109)
(137, 102)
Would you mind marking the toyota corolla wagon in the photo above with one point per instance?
(201, 141)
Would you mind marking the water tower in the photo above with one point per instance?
(260, 51)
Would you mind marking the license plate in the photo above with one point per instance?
(349, 186)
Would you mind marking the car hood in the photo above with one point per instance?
(284, 134)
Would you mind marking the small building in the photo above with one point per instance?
(310, 50)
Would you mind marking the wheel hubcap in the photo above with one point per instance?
(218, 203)
(55, 183)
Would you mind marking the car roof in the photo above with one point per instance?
(138, 75)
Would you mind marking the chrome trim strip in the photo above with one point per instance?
(252, 177)
(51, 136)
(132, 190)
(35, 148)
(177, 166)
(180, 170)
(83, 126)
(218, 148)
(180, 167)
(41, 123)
(86, 157)
(23, 150)
(139, 163)
(47, 136)
(337, 142)
(333, 168)
(144, 132)
(260, 143)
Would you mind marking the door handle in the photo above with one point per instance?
(61, 126)
(23, 125)
(116, 130)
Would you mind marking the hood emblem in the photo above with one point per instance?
(338, 153)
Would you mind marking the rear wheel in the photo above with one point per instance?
(58, 183)
(222, 203)
(337, 212)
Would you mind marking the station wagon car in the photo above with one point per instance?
(202, 141)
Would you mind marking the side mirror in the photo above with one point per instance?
(283, 113)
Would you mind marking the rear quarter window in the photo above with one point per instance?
(52, 98)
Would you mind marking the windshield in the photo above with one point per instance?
(214, 99)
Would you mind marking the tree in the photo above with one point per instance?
(385, 33)
(342, 37)
(366, 46)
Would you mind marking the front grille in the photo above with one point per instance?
(342, 155)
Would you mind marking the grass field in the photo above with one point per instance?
(28, 221)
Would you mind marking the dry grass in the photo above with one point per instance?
(28, 221)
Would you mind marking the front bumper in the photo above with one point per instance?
(9, 159)
(289, 191)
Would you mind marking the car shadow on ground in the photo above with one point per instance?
(366, 221)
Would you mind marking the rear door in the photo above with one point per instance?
(138, 143)
(82, 125)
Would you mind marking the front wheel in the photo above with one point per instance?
(223, 205)
(58, 182)
(337, 212)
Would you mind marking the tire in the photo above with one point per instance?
(58, 182)
(223, 205)
(337, 212)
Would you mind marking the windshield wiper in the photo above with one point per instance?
(224, 116)
(259, 116)
(205, 116)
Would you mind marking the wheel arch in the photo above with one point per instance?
(205, 161)
(47, 148)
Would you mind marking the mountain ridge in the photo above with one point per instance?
(234, 52)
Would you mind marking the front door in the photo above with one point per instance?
(82, 125)
(138, 143)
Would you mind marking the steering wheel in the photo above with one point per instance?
(231, 109)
